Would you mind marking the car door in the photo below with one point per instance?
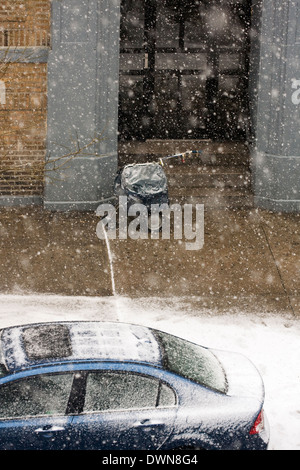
(124, 411)
(33, 412)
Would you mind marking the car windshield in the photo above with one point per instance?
(192, 361)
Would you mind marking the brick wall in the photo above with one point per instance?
(24, 22)
(24, 33)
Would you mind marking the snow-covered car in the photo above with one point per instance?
(101, 385)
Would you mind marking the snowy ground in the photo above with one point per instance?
(271, 342)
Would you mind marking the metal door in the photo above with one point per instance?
(123, 411)
(184, 69)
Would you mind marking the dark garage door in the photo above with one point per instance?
(184, 69)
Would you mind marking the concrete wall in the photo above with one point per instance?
(82, 103)
(276, 150)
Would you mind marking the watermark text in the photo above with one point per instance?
(159, 221)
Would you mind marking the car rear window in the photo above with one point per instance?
(192, 361)
(47, 341)
(3, 369)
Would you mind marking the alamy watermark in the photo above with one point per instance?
(157, 221)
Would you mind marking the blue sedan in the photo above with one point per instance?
(115, 386)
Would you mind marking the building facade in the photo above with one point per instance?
(24, 44)
(78, 75)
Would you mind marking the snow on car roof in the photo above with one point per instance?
(50, 342)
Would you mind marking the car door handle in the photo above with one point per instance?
(48, 431)
(144, 423)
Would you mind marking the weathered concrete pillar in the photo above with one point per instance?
(82, 103)
(276, 152)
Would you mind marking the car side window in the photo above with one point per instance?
(116, 391)
(38, 395)
(167, 395)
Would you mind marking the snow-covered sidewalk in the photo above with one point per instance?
(271, 342)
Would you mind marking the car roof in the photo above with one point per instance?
(43, 343)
